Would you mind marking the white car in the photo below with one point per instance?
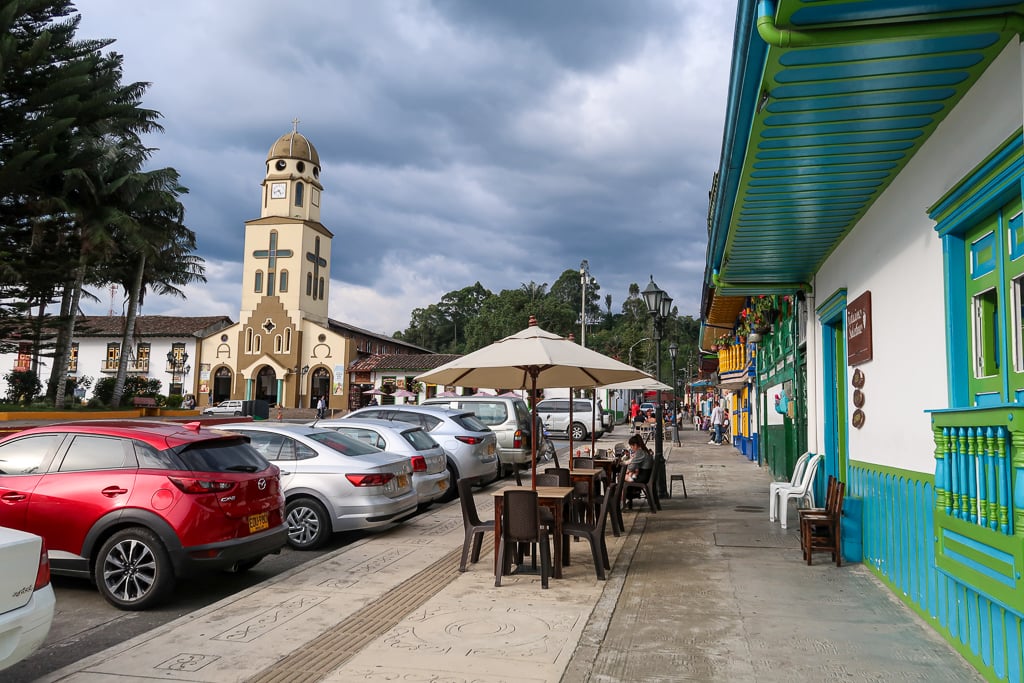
(224, 408)
(26, 597)
(428, 460)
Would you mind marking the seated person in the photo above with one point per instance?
(640, 461)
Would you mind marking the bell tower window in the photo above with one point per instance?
(299, 191)
(258, 283)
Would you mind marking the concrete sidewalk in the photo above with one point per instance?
(705, 590)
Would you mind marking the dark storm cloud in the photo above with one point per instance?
(460, 140)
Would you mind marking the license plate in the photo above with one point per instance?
(259, 522)
(403, 481)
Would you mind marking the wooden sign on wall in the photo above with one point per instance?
(858, 330)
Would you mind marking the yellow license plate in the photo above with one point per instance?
(443, 484)
(403, 481)
(259, 522)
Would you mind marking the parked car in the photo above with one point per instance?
(331, 482)
(224, 408)
(136, 504)
(470, 444)
(554, 413)
(426, 457)
(26, 596)
(509, 419)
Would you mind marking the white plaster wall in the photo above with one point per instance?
(894, 252)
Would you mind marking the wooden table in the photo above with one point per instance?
(554, 498)
(608, 465)
(588, 476)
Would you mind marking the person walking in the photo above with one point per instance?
(717, 419)
(321, 408)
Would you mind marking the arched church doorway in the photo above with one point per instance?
(266, 385)
(320, 385)
(221, 385)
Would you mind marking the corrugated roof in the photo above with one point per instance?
(340, 327)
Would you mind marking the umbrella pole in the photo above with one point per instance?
(572, 454)
(536, 436)
(593, 424)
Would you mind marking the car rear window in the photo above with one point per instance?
(223, 455)
(419, 439)
(469, 421)
(490, 413)
(346, 445)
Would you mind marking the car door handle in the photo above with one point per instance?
(13, 497)
(112, 491)
(285, 473)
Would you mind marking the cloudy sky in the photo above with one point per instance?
(460, 140)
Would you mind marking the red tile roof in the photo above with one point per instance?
(150, 325)
(402, 361)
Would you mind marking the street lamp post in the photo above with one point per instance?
(673, 349)
(659, 305)
(178, 367)
(584, 279)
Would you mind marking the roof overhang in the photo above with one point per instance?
(828, 101)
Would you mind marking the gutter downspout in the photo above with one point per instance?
(773, 35)
(812, 376)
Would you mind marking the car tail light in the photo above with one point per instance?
(375, 479)
(419, 463)
(189, 485)
(517, 439)
(43, 573)
(471, 440)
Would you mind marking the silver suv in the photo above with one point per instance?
(554, 413)
(507, 416)
(471, 446)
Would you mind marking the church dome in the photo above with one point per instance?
(294, 145)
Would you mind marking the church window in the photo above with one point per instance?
(300, 167)
(299, 187)
(142, 357)
(309, 284)
(258, 284)
(270, 283)
(287, 340)
(282, 282)
(258, 344)
(268, 326)
(248, 340)
(277, 343)
(321, 294)
(281, 165)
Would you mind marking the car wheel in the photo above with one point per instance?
(236, 413)
(309, 527)
(453, 491)
(133, 570)
(579, 432)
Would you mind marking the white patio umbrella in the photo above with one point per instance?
(647, 383)
(404, 393)
(532, 359)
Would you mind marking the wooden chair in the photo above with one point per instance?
(821, 528)
(475, 528)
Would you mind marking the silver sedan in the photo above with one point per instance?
(429, 463)
(331, 482)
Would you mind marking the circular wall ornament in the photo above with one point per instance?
(858, 418)
(858, 378)
(223, 337)
(322, 338)
(281, 164)
(858, 398)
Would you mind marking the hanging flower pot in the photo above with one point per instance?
(754, 338)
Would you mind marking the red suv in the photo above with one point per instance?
(134, 505)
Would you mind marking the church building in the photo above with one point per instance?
(284, 348)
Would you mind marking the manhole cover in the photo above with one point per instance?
(748, 508)
(753, 539)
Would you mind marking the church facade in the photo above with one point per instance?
(284, 348)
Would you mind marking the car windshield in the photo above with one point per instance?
(223, 455)
(469, 421)
(419, 439)
(344, 444)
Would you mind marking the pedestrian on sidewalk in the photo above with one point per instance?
(717, 420)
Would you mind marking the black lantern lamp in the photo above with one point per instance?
(659, 305)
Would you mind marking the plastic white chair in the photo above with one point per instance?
(773, 488)
(804, 492)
